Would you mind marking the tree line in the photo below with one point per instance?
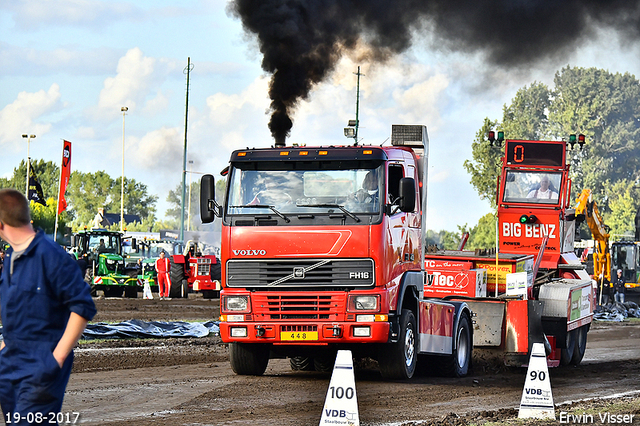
(88, 192)
(603, 106)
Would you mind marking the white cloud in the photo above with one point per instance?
(419, 102)
(135, 79)
(233, 117)
(159, 151)
(33, 14)
(64, 60)
(22, 115)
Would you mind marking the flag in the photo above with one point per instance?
(65, 172)
(35, 189)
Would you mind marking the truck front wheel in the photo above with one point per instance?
(248, 359)
(398, 360)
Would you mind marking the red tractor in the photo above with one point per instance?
(195, 271)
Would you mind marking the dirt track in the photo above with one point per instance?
(189, 381)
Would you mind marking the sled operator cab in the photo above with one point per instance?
(534, 200)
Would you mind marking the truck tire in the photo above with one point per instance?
(113, 291)
(566, 353)
(131, 292)
(216, 271)
(248, 359)
(457, 364)
(324, 363)
(398, 360)
(179, 285)
(581, 345)
(301, 363)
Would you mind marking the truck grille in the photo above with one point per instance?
(337, 273)
(297, 307)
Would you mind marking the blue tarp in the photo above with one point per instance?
(152, 329)
(617, 311)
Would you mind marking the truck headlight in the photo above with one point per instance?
(363, 303)
(236, 303)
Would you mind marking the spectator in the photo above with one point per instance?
(618, 287)
(45, 306)
(163, 267)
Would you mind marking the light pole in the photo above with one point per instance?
(124, 110)
(189, 208)
(28, 138)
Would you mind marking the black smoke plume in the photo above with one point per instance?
(302, 40)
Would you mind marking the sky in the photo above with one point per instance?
(67, 67)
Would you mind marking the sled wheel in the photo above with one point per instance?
(566, 353)
(581, 345)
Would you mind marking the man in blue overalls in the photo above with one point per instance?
(45, 307)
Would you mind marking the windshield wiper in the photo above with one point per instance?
(338, 206)
(263, 206)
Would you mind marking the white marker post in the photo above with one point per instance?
(341, 404)
(537, 400)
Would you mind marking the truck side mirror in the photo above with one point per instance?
(209, 209)
(407, 202)
(73, 241)
(134, 245)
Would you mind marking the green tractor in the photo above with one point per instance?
(102, 250)
(145, 253)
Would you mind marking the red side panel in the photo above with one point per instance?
(517, 319)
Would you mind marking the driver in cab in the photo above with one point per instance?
(545, 191)
(369, 192)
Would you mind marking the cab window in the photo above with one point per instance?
(532, 187)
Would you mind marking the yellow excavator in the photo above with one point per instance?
(587, 210)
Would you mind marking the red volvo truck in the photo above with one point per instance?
(323, 249)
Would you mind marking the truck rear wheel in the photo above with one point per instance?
(457, 364)
(248, 359)
(580, 345)
(179, 285)
(323, 363)
(398, 360)
(301, 363)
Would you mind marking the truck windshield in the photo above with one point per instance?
(298, 192)
(532, 187)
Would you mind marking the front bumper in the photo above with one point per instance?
(310, 333)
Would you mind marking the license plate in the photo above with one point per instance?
(299, 335)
